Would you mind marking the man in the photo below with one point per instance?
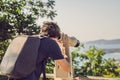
(54, 45)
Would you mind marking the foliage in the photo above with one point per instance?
(19, 16)
(76, 59)
(3, 47)
(91, 62)
(50, 66)
(111, 69)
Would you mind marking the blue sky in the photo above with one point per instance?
(89, 19)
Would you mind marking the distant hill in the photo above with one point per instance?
(103, 41)
(110, 46)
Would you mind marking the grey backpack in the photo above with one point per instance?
(20, 58)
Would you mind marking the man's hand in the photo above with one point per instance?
(65, 40)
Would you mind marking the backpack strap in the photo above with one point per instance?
(44, 61)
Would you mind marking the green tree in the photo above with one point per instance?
(76, 61)
(77, 58)
(19, 17)
(111, 69)
(91, 62)
(94, 61)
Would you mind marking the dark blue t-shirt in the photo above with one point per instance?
(48, 48)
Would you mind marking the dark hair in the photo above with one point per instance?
(50, 29)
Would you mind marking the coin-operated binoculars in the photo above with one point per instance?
(59, 73)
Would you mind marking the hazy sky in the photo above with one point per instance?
(89, 19)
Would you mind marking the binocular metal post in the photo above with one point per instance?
(62, 75)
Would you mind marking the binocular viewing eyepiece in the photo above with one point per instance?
(73, 42)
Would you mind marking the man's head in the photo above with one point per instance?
(50, 29)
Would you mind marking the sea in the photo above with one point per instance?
(111, 50)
